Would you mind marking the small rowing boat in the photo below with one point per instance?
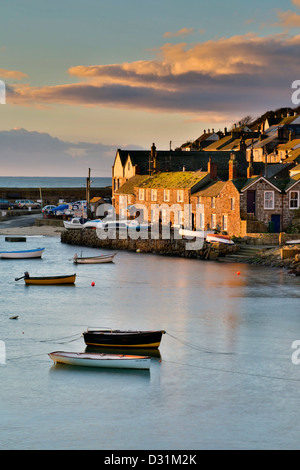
(24, 254)
(119, 361)
(75, 223)
(94, 259)
(217, 238)
(47, 280)
(123, 338)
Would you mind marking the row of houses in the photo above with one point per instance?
(229, 189)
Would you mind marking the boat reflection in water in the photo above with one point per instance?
(153, 353)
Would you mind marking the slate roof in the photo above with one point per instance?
(212, 189)
(220, 143)
(128, 187)
(170, 161)
(289, 145)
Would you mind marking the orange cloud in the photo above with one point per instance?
(217, 76)
(288, 19)
(296, 2)
(15, 74)
(181, 32)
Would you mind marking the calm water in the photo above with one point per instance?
(51, 182)
(224, 380)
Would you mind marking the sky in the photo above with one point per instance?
(84, 78)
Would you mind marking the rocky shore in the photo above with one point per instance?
(285, 256)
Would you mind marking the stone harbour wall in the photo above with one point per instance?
(170, 247)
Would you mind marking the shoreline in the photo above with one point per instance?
(34, 230)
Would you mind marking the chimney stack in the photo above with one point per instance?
(232, 167)
(212, 169)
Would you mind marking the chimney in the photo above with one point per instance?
(153, 150)
(232, 167)
(243, 145)
(212, 169)
(250, 170)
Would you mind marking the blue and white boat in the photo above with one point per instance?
(24, 254)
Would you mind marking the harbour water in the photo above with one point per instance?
(223, 379)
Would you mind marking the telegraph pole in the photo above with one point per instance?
(88, 187)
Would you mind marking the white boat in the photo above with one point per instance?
(75, 223)
(119, 361)
(217, 238)
(94, 259)
(293, 242)
(24, 254)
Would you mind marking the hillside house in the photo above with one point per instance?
(248, 205)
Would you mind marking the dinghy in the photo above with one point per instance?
(119, 361)
(217, 238)
(94, 259)
(123, 338)
(24, 254)
(47, 280)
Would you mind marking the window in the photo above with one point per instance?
(153, 194)
(128, 166)
(224, 222)
(232, 203)
(213, 221)
(294, 200)
(269, 200)
(141, 194)
(166, 195)
(213, 202)
(180, 195)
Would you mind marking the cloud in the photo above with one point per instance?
(296, 2)
(39, 154)
(181, 32)
(288, 19)
(15, 74)
(227, 75)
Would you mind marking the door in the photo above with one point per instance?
(275, 219)
(251, 196)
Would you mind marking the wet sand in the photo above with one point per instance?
(34, 230)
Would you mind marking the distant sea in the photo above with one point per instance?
(51, 182)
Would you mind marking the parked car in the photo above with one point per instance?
(78, 205)
(26, 203)
(47, 209)
(6, 205)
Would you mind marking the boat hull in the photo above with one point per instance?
(94, 259)
(116, 361)
(25, 254)
(215, 238)
(123, 339)
(50, 280)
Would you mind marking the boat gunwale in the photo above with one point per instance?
(97, 356)
(22, 251)
(46, 278)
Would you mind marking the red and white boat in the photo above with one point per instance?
(218, 238)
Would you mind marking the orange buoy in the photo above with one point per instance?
(238, 273)
(92, 284)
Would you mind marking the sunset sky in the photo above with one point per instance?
(84, 78)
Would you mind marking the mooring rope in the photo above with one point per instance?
(197, 347)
